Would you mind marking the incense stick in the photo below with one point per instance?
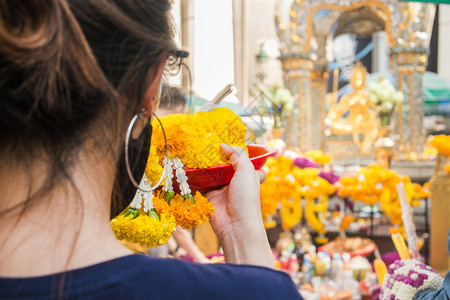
(209, 106)
(410, 227)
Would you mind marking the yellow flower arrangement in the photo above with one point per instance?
(188, 211)
(269, 200)
(374, 184)
(275, 187)
(319, 157)
(147, 230)
(316, 191)
(193, 142)
(288, 184)
(312, 211)
(153, 170)
(442, 144)
(195, 139)
(291, 212)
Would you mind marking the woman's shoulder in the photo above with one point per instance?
(139, 277)
(218, 280)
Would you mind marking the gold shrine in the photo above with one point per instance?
(306, 28)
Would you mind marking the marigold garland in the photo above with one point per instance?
(153, 170)
(374, 184)
(188, 213)
(290, 212)
(277, 186)
(289, 184)
(144, 230)
(269, 201)
(193, 142)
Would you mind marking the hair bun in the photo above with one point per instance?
(28, 25)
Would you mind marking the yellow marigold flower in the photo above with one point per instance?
(284, 181)
(441, 143)
(153, 170)
(188, 214)
(374, 183)
(318, 156)
(291, 213)
(311, 217)
(195, 139)
(144, 230)
(269, 194)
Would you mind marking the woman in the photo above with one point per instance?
(72, 76)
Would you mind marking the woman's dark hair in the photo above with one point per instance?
(73, 71)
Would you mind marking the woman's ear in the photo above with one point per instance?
(153, 93)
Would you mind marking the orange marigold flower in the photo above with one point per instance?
(160, 204)
(188, 214)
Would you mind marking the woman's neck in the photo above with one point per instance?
(67, 228)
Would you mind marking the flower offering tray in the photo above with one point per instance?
(212, 178)
(355, 246)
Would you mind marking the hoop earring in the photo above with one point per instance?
(127, 162)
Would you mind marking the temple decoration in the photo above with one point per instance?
(355, 114)
(306, 28)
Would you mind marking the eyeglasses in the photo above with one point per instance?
(176, 60)
(179, 53)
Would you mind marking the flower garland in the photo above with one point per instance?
(290, 212)
(316, 191)
(149, 231)
(285, 186)
(188, 212)
(193, 142)
(374, 184)
(143, 225)
(269, 199)
(152, 225)
(276, 187)
(406, 278)
(153, 170)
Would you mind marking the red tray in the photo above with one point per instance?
(205, 180)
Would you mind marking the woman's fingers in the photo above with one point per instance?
(238, 157)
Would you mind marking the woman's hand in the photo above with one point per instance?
(237, 219)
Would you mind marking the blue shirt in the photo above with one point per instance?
(142, 277)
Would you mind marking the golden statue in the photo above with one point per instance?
(355, 114)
